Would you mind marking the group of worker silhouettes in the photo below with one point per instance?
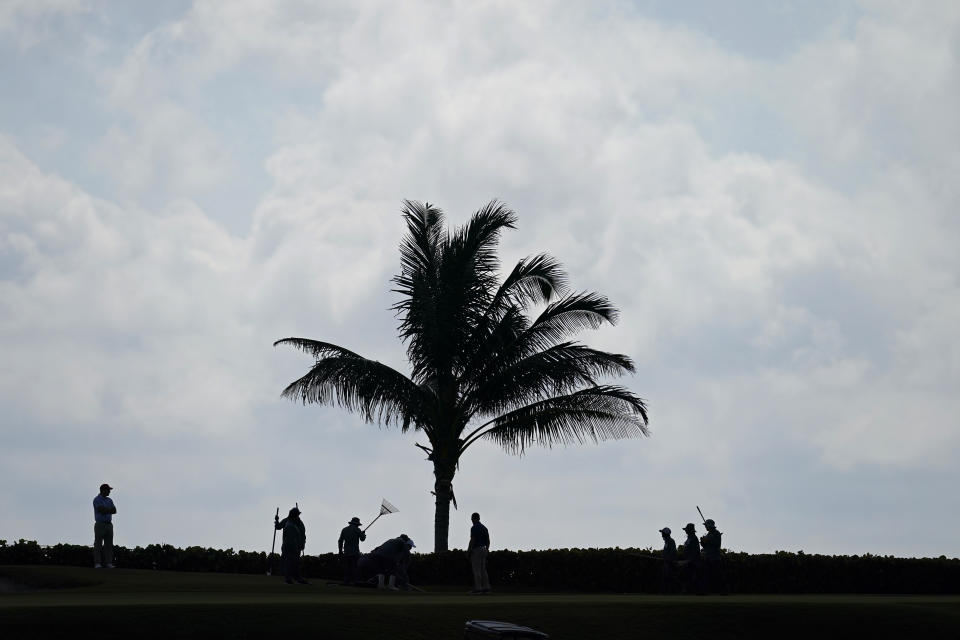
(386, 566)
(698, 567)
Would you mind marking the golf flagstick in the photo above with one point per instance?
(273, 545)
(385, 508)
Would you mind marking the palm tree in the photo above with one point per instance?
(481, 368)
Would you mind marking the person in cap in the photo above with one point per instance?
(477, 550)
(348, 547)
(294, 540)
(691, 560)
(712, 558)
(401, 578)
(668, 576)
(103, 510)
(389, 560)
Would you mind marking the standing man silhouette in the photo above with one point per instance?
(691, 558)
(713, 578)
(478, 549)
(103, 510)
(294, 540)
(668, 576)
(348, 547)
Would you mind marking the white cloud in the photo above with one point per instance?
(104, 298)
(30, 23)
(165, 147)
(882, 98)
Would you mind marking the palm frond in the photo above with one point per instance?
(516, 340)
(489, 341)
(534, 280)
(595, 414)
(469, 267)
(425, 232)
(565, 317)
(316, 348)
(374, 390)
(478, 239)
(446, 284)
(553, 371)
(421, 324)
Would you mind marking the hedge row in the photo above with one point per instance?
(589, 570)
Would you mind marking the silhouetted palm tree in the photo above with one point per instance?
(481, 367)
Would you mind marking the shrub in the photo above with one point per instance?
(590, 570)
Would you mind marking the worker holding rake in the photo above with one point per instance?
(294, 540)
(348, 548)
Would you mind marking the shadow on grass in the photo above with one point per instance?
(148, 604)
(17, 579)
(715, 621)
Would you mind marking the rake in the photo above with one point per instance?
(385, 508)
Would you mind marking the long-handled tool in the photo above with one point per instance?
(302, 551)
(701, 515)
(273, 545)
(385, 508)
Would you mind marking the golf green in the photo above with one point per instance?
(72, 602)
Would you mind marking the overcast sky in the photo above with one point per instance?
(768, 192)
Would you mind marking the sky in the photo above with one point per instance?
(766, 190)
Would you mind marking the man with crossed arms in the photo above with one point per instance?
(103, 510)
(477, 550)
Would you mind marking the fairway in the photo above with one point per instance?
(77, 602)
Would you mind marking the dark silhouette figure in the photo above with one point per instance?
(294, 540)
(692, 570)
(491, 358)
(713, 574)
(103, 510)
(668, 576)
(477, 550)
(389, 560)
(348, 546)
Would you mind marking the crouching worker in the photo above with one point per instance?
(294, 540)
(386, 566)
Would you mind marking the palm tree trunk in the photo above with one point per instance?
(443, 489)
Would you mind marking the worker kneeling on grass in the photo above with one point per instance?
(386, 566)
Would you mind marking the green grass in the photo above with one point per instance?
(74, 602)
